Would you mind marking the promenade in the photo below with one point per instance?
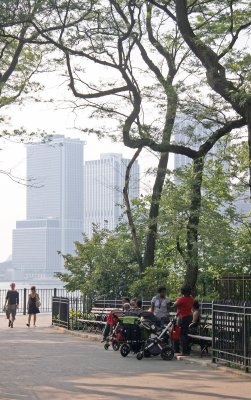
(43, 364)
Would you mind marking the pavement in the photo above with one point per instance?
(43, 363)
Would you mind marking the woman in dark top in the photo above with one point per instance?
(33, 306)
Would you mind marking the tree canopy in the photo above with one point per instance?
(140, 66)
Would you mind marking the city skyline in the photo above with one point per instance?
(13, 198)
(54, 209)
(103, 190)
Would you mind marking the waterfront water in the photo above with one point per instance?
(45, 290)
(38, 284)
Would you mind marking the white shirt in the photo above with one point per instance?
(160, 306)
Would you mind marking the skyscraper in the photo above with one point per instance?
(103, 190)
(54, 207)
(187, 132)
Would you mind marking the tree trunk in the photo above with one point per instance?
(192, 253)
(129, 211)
(154, 211)
(249, 142)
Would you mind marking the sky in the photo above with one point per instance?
(52, 119)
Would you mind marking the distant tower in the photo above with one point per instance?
(54, 206)
(103, 190)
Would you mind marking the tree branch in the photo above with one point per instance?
(129, 210)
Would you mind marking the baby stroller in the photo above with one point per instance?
(127, 335)
(157, 342)
(115, 338)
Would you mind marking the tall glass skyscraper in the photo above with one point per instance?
(54, 214)
(104, 180)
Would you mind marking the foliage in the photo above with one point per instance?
(103, 265)
(106, 266)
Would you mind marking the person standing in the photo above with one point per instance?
(33, 306)
(185, 316)
(11, 304)
(160, 306)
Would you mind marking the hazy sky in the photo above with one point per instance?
(13, 156)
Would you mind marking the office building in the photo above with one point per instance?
(189, 133)
(103, 190)
(54, 214)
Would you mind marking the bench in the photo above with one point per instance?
(98, 320)
(204, 336)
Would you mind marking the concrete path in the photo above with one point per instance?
(42, 363)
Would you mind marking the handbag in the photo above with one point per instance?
(38, 302)
(175, 332)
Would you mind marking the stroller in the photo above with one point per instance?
(115, 338)
(126, 335)
(157, 342)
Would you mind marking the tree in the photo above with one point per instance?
(121, 37)
(106, 265)
(20, 61)
(214, 31)
(103, 266)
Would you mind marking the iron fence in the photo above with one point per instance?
(45, 295)
(60, 311)
(232, 334)
(66, 311)
(206, 308)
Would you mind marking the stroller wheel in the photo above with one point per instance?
(125, 350)
(106, 346)
(167, 353)
(115, 345)
(147, 354)
(140, 355)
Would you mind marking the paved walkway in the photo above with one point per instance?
(42, 363)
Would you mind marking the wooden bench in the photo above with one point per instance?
(97, 321)
(204, 336)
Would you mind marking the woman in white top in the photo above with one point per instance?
(160, 305)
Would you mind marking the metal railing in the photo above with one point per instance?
(60, 312)
(232, 334)
(66, 311)
(45, 295)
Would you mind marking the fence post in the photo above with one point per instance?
(245, 338)
(55, 292)
(68, 313)
(25, 302)
(213, 333)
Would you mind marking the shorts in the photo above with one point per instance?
(11, 310)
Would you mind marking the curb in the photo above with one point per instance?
(79, 334)
(221, 368)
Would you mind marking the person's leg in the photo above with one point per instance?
(185, 322)
(35, 318)
(176, 346)
(29, 320)
(106, 331)
(13, 315)
(8, 315)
